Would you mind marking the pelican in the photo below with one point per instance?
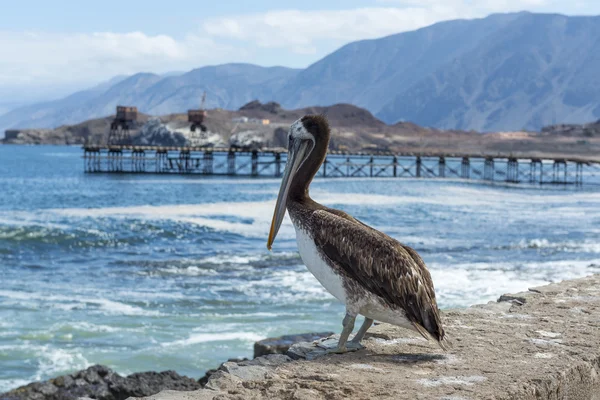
(372, 274)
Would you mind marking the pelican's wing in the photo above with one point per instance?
(381, 265)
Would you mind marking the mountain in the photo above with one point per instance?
(227, 86)
(533, 71)
(505, 72)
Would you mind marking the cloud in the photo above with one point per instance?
(30, 57)
(302, 30)
(288, 37)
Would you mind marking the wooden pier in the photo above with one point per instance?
(271, 162)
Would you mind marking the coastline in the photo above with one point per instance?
(543, 343)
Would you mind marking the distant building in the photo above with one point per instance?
(240, 119)
(259, 121)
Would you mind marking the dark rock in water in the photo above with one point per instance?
(100, 382)
(280, 345)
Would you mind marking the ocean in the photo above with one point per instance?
(172, 272)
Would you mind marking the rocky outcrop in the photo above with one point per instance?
(539, 344)
(101, 383)
(247, 140)
(270, 107)
(584, 130)
(155, 133)
(281, 344)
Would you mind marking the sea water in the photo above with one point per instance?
(172, 272)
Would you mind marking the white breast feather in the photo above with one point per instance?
(318, 267)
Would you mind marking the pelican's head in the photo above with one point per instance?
(308, 141)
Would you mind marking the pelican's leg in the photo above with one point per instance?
(361, 332)
(348, 324)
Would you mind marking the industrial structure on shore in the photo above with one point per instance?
(118, 155)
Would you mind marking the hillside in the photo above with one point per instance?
(353, 129)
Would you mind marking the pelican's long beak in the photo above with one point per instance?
(297, 152)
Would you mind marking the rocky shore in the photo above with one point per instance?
(539, 344)
(101, 383)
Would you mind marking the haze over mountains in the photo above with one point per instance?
(504, 72)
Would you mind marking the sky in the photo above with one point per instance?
(51, 47)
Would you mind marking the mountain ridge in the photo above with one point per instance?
(504, 72)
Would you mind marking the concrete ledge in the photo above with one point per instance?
(540, 344)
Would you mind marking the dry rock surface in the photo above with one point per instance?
(540, 344)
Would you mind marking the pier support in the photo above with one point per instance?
(442, 167)
(559, 172)
(254, 163)
(579, 173)
(231, 163)
(418, 167)
(465, 170)
(512, 170)
(278, 165)
(207, 163)
(488, 169)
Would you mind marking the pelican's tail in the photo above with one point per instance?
(441, 339)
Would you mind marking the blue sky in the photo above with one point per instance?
(48, 48)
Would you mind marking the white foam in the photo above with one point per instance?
(74, 301)
(586, 246)
(54, 361)
(198, 338)
(462, 285)
(10, 384)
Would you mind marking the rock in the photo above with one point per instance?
(202, 139)
(271, 107)
(251, 140)
(281, 344)
(307, 351)
(585, 130)
(155, 133)
(210, 372)
(99, 382)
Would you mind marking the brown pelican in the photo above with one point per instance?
(371, 273)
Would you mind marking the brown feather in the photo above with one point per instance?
(381, 265)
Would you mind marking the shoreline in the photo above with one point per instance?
(535, 343)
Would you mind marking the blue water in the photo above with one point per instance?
(154, 272)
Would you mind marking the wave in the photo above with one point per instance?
(462, 285)
(198, 338)
(10, 384)
(583, 246)
(72, 302)
(50, 361)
